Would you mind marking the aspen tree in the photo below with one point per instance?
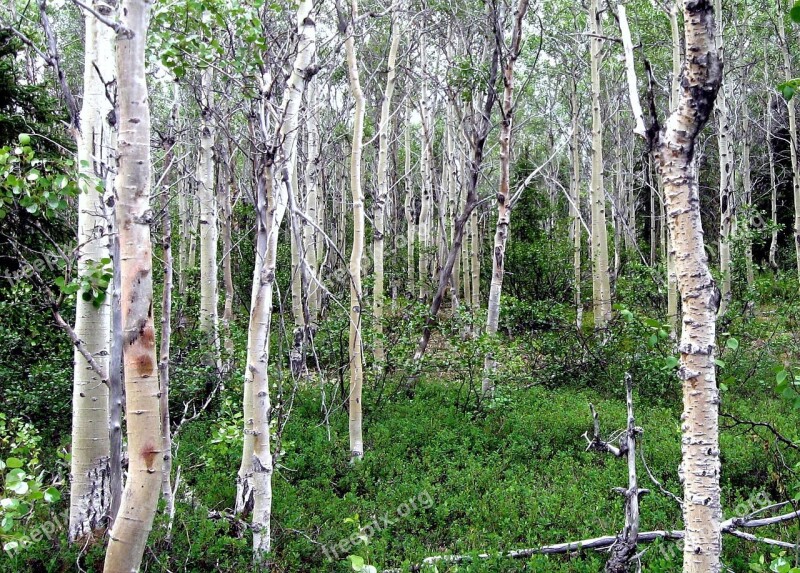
(346, 27)
(787, 70)
(411, 231)
(313, 206)
(575, 203)
(747, 197)
(503, 191)
(96, 138)
(601, 287)
(207, 199)
(672, 279)
(726, 177)
(379, 216)
(675, 154)
(255, 473)
(133, 214)
(773, 245)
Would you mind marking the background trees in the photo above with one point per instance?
(413, 204)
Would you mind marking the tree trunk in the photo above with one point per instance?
(134, 217)
(747, 198)
(787, 70)
(503, 194)
(726, 179)
(675, 149)
(91, 449)
(773, 244)
(226, 186)
(601, 287)
(356, 365)
(379, 216)
(207, 197)
(313, 207)
(575, 203)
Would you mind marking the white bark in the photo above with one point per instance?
(787, 69)
(356, 359)
(140, 498)
(700, 466)
(207, 198)
(89, 469)
(601, 286)
(379, 216)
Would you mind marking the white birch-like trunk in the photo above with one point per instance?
(355, 353)
(207, 199)
(672, 279)
(411, 228)
(379, 215)
(773, 244)
(675, 150)
(787, 70)
(747, 197)
(91, 450)
(601, 285)
(575, 205)
(726, 176)
(503, 191)
(313, 206)
(134, 216)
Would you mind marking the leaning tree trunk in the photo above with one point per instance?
(356, 365)
(601, 285)
(91, 450)
(503, 195)
(379, 216)
(675, 150)
(134, 217)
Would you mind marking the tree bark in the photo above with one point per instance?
(134, 216)
(355, 351)
(503, 194)
(379, 215)
(91, 449)
(209, 233)
(787, 69)
(675, 149)
(601, 286)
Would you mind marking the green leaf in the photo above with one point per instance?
(781, 376)
(795, 13)
(24, 139)
(732, 343)
(7, 524)
(719, 363)
(10, 546)
(356, 562)
(20, 488)
(14, 463)
(670, 363)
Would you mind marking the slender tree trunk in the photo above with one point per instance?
(601, 287)
(726, 168)
(91, 449)
(747, 198)
(206, 193)
(575, 203)
(255, 474)
(787, 69)
(503, 193)
(313, 206)
(379, 216)
(773, 245)
(672, 279)
(675, 149)
(140, 498)
(225, 187)
(166, 312)
(356, 362)
(411, 232)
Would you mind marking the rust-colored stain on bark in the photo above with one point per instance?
(149, 452)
